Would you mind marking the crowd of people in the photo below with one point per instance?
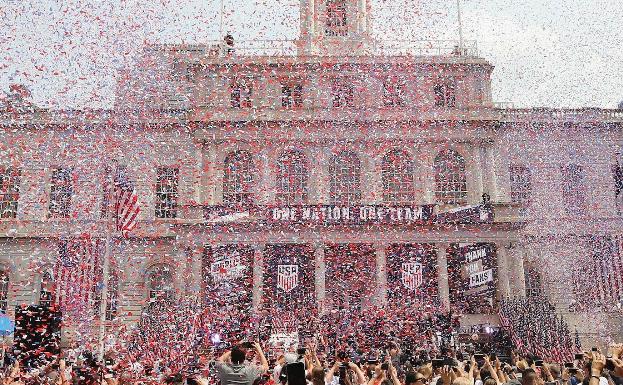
(245, 363)
(182, 342)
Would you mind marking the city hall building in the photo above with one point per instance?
(331, 171)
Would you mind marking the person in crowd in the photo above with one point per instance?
(233, 369)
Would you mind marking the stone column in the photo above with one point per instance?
(266, 187)
(442, 269)
(209, 178)
(372, 186)
(475, 175)
(503, 276)
(320, 274)
(381, 273)
(426, 171)
(319, 176)
(517, 275)
(258, 274)
(196, 255)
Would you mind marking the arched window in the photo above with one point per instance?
(345, 171)
(397, 176)
(238, 178)
(450, 178)
(292, 177)
(4, 291)
(160, 282)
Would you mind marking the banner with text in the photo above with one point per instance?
(228, 286)
(472, 272)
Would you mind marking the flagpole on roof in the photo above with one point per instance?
(221, 22)
(106, 262)
(458, 12)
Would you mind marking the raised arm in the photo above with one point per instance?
(328, 378)
(597, 366)
(361, 378)
(260, 353)
(225, 357)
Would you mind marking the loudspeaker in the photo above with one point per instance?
(37, 334)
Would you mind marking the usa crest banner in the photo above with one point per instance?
(412, 274)
(228, 283)
(288, 277)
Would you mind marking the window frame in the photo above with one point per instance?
(336, 18)
(345, 178)
(574, 189)
(291, 95)
(10, 183)
(241, 192)
(166, 291)
(166, 200)
(453, 191)
(241, 92)
(521, 184)
(64, 191)
(444, 92)
(342, 92)
(296, 172)
(394, 94)
(398, 184)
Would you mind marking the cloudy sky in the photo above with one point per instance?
(558, 53)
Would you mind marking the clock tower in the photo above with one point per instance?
(335, 27)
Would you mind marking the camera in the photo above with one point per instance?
(438, 363)
(538, 363)
(384, 366)
(246, 345)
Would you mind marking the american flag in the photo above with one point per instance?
(78, 275)
(535, 327)
(126, 203)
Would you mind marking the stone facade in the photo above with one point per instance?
(182, 107)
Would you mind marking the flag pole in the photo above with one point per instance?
(106, 263)
(458, 11)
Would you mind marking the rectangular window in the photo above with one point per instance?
(61, 190)
(167, 181)
(617, 174)
(291, 96)
(336, 18)
(9, 192)
(241, 92)
(46, 292)
(393, 92)
(574, 189)
(342, 92)
(521, 185)
(445, 94)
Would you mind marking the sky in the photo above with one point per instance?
(552, 53)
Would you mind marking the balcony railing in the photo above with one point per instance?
(577, 114)
(277, 47)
